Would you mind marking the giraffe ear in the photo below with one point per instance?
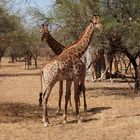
(42, 25)
(42, 29)
(46, 29)
(96, 17)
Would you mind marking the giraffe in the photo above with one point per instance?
(57, 49)
(64, 65)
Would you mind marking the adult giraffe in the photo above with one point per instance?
(63, 66)
(57, 49)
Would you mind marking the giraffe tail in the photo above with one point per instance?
(80, 89)
(41, 93)
(40, 98)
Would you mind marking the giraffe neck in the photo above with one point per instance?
(55, 46)
(77, 49)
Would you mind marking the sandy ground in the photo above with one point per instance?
(113, 110)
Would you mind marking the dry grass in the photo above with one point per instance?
(113, 110)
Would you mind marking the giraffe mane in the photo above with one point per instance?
(77, 39)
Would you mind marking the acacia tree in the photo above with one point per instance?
(9, 24)
(17, 39)
(120, 17)
(125, 25)
(32, 45)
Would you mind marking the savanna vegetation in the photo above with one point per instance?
(113, 109)
(20, 39)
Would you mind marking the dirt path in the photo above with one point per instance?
(113, 112)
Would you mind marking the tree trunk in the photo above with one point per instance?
(133, 61)
(2, 50)
(35, 59)
(12, 59)
(29, 61)
(0, 61)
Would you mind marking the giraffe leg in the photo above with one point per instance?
(84, 96)
(45, 109)
(70, 103)
(40, 99)
(40, 103)
(41, 93)
(76, 88)
(60, 97)
(69, 90)
(67, 97)
(79, 93)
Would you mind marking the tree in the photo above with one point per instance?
(120, 17)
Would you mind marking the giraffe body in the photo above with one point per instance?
(79, 68)
(57, 70)
(60, 67)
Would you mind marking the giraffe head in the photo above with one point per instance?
(96, 22)
(44, 30)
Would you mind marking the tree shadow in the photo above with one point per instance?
(83, 120)
(119, 91)
(88, 116)
(89, 113)
(10, 65)
(17, 112)
(98, 109)
(108, 88)
(128, 116)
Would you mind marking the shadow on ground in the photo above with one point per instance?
(98, 109)
(87, 116)
(90, 114)
(119, 91)
(16, 112)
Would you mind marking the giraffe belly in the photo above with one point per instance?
(64, 76)
(51, 76)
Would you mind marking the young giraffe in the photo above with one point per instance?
(57, 49)
(63, 66)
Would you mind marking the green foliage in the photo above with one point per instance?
(14, 36)
(118, 16)
(67, 19)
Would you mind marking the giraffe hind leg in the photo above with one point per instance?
(45, 108)
(67, 98)
(60, 97)
(76, 96)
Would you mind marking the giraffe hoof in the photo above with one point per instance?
(57, 112)
(99, 79)
(64, 122)
(46, 124)
(79, 121)
(94, 80)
